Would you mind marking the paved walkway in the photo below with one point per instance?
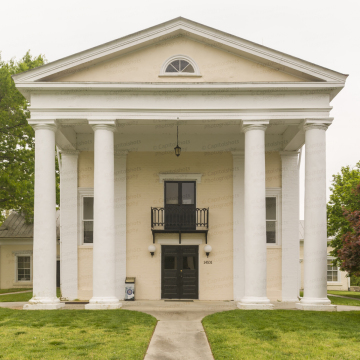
(344, 297)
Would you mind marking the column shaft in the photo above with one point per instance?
(238, 226)
(44, 248)
(120, 224)
(104, 222)
(315, 240)
(68, 224)
(255, 220)
(290, 226)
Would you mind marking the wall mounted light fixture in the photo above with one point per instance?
(152, 249)
(207, 250)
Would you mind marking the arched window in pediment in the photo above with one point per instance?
(179, 65)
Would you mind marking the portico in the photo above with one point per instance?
(240, 143)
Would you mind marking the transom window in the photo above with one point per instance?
(23, 268)
(180, 66)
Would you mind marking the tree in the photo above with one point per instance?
(16, 141)
(341, 211)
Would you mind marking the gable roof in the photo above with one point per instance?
(15, 226)
(182, 27)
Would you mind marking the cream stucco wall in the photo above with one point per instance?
(215, 191)
(144, 66)
(8, 268)
(7, 262)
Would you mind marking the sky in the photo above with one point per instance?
(326, 33)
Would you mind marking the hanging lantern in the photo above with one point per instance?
(177, 148)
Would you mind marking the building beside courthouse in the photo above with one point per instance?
(218, 222)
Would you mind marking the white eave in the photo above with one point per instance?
(181, 26)
(329, 87)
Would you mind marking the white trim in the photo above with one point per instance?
(185, 177)
(179, 57)
(83, 192)
(277, 193)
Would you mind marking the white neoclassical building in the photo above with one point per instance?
(218, 222)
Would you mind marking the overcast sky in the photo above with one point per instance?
(326, 33)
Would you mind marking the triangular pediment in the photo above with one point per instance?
(221, 57)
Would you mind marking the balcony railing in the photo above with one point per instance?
(180, 219)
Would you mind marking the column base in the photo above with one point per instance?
(97, 303)
(43, 303)
(255, 303)
(315, 304)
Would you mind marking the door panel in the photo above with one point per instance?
(179, 272)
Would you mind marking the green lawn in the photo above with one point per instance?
(22, 296)
(283, 334)
(74, 334)
(352, 294)
(341, 301)
(4, 291)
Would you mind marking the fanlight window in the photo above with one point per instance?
(180, 66)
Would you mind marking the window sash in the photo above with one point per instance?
(23, 268)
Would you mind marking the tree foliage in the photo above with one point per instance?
(341, 211)
(16, 141)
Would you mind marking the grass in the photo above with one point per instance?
(283, 334)
(74, 334)
(4, 291)
(352, 294)
(22, 296)
(341, 301)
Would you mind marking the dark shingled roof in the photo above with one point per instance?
(15, 227)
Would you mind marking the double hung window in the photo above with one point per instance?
(23, 268)
(332, 271)
(271, 220)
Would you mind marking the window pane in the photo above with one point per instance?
(183, 64)
(88, 231)
(170, 69)
(176, 64)
(271, 232)
(88, 208)
(170, 263)
(189, 69)
(335, 276)
(189, 262)
(188, 193)
(270, 208)
(172, 193)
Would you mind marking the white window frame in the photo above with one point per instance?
(276, 193)
(338, 272)
(18, 254)
(196, 72)
(83, 193)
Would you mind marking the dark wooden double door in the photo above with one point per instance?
(179, 272)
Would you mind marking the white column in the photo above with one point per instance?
(104, 296)
(315, 239)
(255, 220)
(290, 226)
(238, 225)
(120, 223)
(68, 224)
(44, 248)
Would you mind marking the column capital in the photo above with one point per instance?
(289, 153)
(46, 125)
(121, 153)
(248, 125)
(103, 125)
(238, 154)
(69, 152)
(316, 123)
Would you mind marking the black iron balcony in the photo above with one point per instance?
(179, 220)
